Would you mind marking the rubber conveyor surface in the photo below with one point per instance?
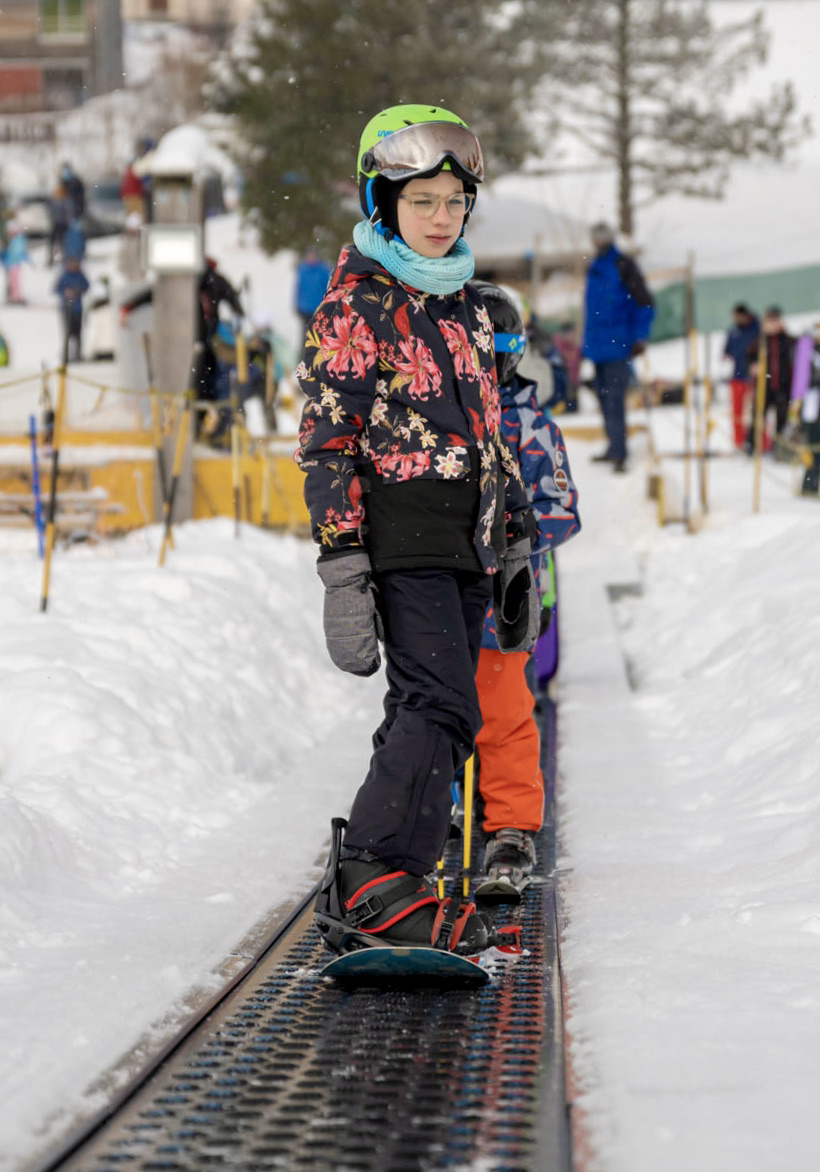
(292, 1072)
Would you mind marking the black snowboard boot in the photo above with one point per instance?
(364, 903)
(510, 854)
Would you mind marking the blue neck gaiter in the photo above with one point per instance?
(438, 274)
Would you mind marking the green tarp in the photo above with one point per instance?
(794, 290)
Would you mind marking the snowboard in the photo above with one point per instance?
(405, 966)
(501, 890)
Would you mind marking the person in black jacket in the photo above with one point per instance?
(779, 346)
(420, 513)
(214, 290)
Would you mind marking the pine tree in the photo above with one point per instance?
(311, 73)
(645, 85)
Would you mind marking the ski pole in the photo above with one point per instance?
(52, 495)
(35, 486)
(179, 452)
(468, 823)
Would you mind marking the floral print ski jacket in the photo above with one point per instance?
(538, 445)
(399, 384)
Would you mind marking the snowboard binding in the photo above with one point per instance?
(378, 913)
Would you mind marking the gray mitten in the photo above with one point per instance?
(515, 599)
(351, 622)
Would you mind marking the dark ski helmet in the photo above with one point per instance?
(412, 142)
(508, 329)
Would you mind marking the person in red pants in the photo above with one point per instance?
(740, 339)
(510, 784)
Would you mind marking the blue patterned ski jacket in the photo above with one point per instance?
(538, 445)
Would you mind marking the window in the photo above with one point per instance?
(62, 16)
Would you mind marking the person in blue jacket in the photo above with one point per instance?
(71, 287)
(618, 317)
(312, 276)
(510, 783)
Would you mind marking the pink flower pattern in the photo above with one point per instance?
(403, 382)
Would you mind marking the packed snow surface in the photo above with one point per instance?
(174, 741)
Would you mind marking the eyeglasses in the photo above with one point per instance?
(426, 206)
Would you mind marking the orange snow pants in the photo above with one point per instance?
(509, 776)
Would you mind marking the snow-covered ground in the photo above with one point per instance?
(173, 743)
(690, 818)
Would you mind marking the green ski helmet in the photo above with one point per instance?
(413, 142)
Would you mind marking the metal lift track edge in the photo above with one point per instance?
(86, 1131)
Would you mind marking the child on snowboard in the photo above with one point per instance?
(420, 512)
(510, 784)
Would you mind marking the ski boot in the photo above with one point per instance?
(509, 858)
(365, 903)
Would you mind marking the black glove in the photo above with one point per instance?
(351, 622)
(515, 599)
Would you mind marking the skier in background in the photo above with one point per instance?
(618, 317)
(510, 783)
(779, 346)
(420, 512)
(312, 276)
(740, 340)
(71, 287)
(213, 291)
(14, 257)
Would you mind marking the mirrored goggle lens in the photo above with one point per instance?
(417, 149)
(509, 343)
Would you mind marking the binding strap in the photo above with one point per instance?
(406, 893)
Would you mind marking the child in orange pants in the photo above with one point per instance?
(510, 784)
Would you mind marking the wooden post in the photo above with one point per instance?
(235, 467)
(707, 424)
(691, 343)
(179, 453)
(266, 487)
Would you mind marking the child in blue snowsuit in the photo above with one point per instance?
(510, 783)
(70, 288)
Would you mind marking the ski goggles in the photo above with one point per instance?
(415, 150)
(509, 343)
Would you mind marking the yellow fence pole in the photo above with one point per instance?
(266, 490)
(52, 496)
(235, 463)
(179, 452)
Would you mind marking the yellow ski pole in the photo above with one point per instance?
(468, 824)
(52, 495)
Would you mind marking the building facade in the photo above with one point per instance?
(55, 54)
(213, 17)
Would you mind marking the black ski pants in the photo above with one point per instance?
(433, 620)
